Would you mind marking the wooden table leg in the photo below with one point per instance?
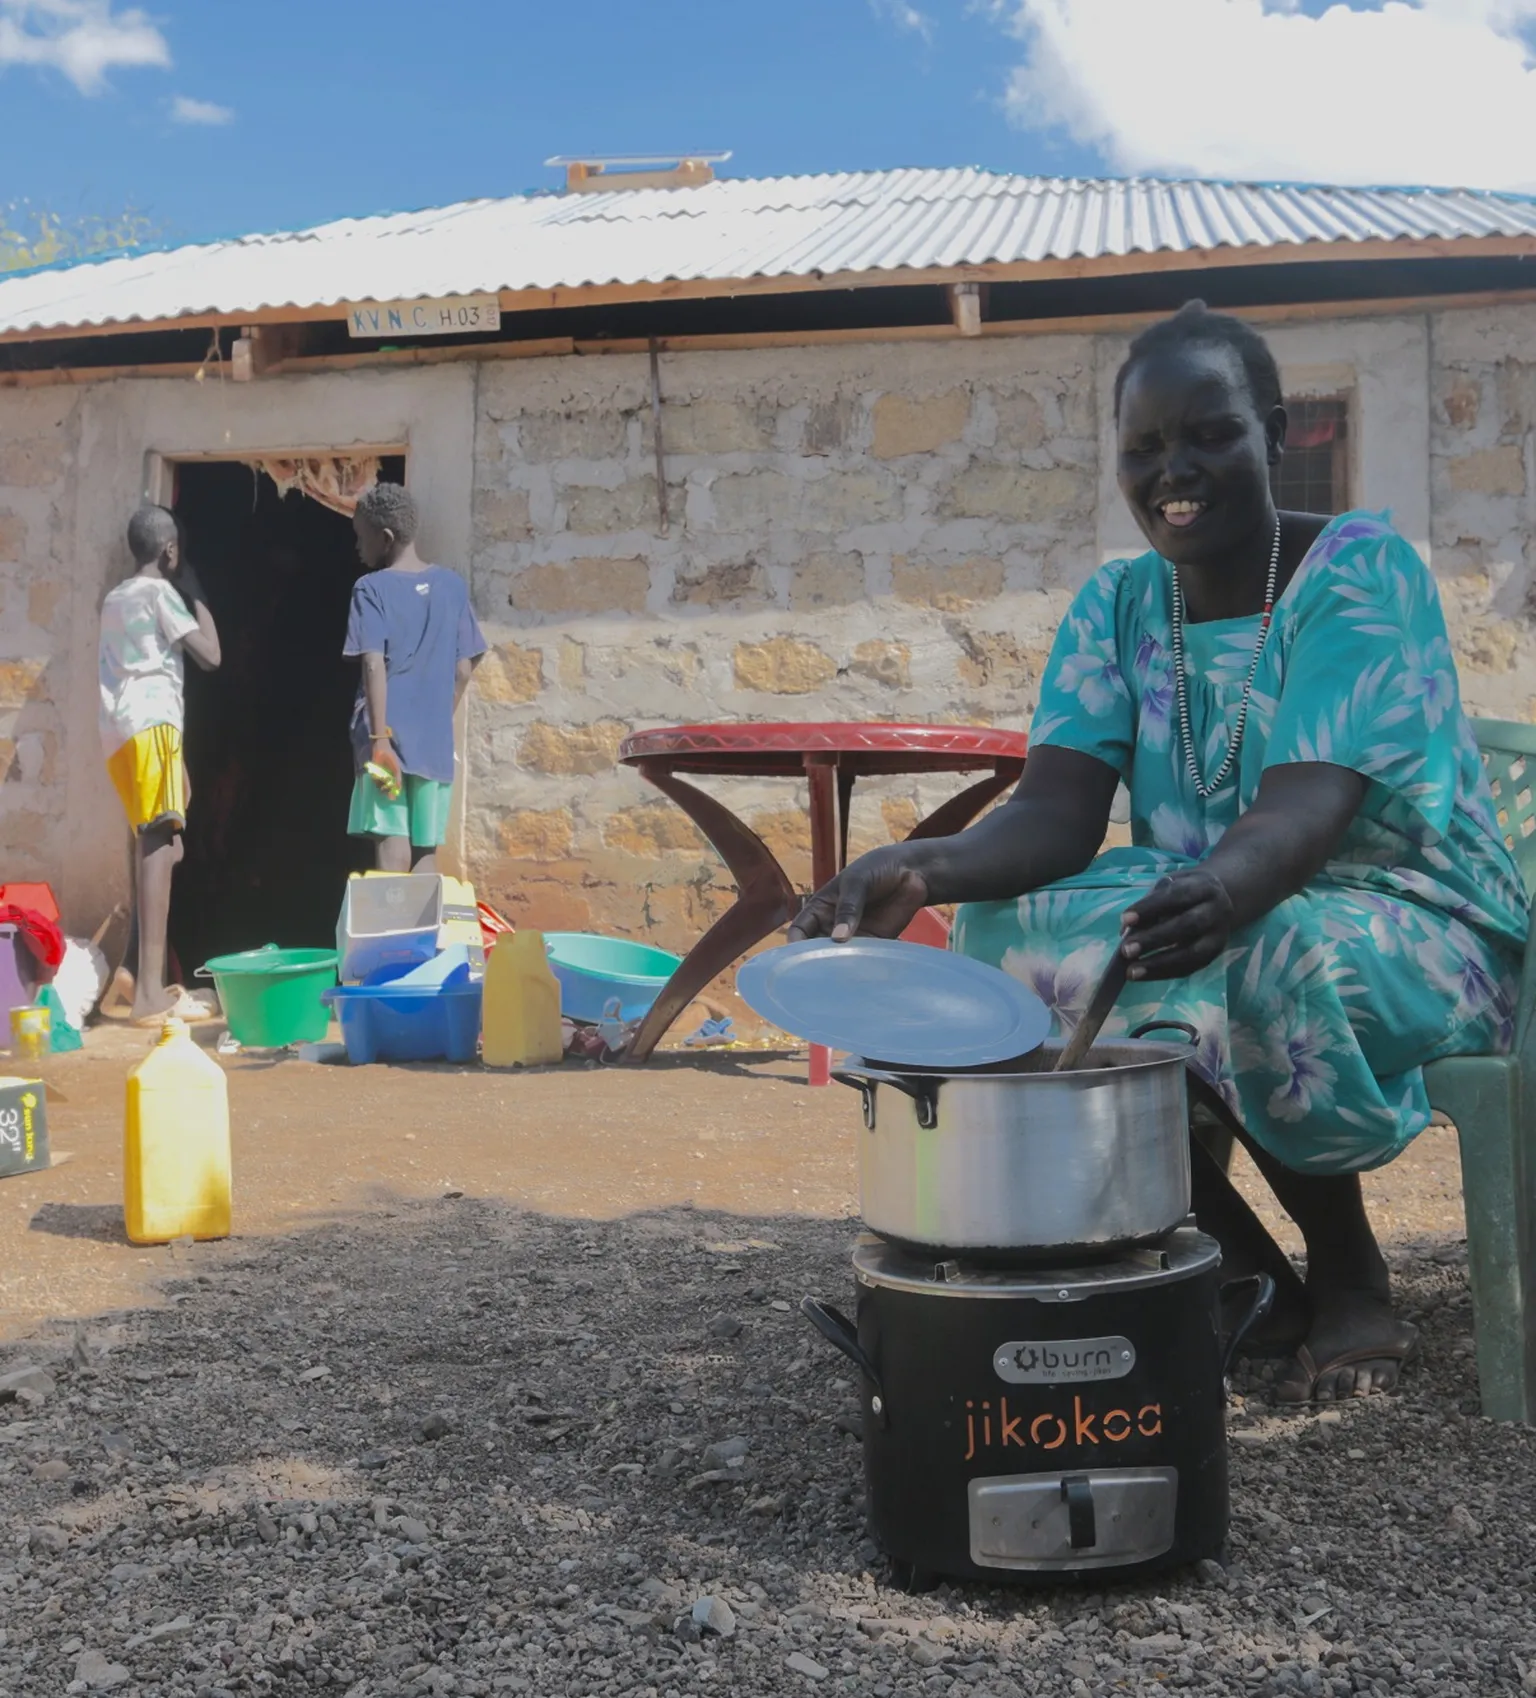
(765, 900)
(822, 774)
(958, 812)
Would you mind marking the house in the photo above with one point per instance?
(832, 447)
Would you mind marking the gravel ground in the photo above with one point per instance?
(459, 1448)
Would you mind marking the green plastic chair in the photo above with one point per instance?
(1491, 1100)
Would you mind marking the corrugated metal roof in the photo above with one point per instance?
(740, 228)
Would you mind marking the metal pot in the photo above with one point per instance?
(1020, 1164)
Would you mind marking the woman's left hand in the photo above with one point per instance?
(1181, 924)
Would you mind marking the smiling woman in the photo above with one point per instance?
(1316, 880)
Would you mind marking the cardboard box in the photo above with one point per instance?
(23, 1127)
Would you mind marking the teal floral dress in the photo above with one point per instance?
(1316, 1022)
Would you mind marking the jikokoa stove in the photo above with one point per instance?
(1043, 1424)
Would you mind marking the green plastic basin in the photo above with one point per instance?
(272, 997)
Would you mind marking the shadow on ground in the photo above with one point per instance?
(456, 1448)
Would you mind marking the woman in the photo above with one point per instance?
(1317, 880)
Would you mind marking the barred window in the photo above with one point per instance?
(1313, 475)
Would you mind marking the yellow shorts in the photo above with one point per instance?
(151, 778)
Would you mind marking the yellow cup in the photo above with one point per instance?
(31, 1033)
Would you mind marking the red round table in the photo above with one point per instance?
(830, 758)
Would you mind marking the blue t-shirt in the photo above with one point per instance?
(423, 625)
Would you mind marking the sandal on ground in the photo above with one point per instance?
(1313, 1371)
(191, 1010)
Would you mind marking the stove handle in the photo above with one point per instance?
(840, 1332)
(1263, 1302)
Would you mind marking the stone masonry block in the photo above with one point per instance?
(1491, 471)
(714, 425)
(13, 535)
(32, 462)
(582, 587)
(1461, 404)
(571, 749)
(783, 666)
(948, 588)
(886, 663)
(510, 673)
(587, 435)
(786, 831)
(537, 834)
(1021, 422)
(827, 580)
(593, 511)
(752, 501)
(20, 681)
(829, 425)
(841, 500)
(741, 583)
(900, 816)
(1019, 494)
(44, 598)
(909, 424)
(651, 830)
(998, 660)
(501, 516)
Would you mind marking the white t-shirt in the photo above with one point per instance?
(143, 623)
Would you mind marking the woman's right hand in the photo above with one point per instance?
(877, 895)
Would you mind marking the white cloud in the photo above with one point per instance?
(905, 16)
(185, 110)
(1439, 92)
(82, 38)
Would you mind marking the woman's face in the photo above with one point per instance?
(1194, 454)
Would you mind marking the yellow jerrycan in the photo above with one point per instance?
(521, 1019)
(176, 1165)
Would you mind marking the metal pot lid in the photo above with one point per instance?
(880, 996)
(1181, 1255)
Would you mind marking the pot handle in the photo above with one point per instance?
(924, 1092)
(1168, 1025)
(1263, 1302)
(841, 1334)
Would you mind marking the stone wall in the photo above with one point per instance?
(881, 532)
(1483, 500)
(43, 593)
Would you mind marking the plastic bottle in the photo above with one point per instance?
(176, 1167)
(522, 1004)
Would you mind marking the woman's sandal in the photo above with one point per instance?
(1404, 1355)
(191, 1010)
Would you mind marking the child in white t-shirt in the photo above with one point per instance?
(146, 623)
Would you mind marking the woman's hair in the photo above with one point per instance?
(1194, 325)
(390, 507)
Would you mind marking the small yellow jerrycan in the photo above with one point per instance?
(522, 1004)
(176, 1168)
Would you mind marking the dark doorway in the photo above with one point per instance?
(267, 746)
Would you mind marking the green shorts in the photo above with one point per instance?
(420, 812)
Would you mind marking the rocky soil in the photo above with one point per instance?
(457, 1448)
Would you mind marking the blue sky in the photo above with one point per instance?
(216, 118)
(340, 107)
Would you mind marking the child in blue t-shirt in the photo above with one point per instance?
(416, 632)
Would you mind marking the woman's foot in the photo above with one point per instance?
(173, 1002)
(117, 1003)
(1357, 1348)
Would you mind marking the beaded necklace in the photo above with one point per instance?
(1181, 689)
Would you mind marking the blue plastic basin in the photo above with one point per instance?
(387, 1022)
(594, 971)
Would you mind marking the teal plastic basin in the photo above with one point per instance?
(594, 971)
